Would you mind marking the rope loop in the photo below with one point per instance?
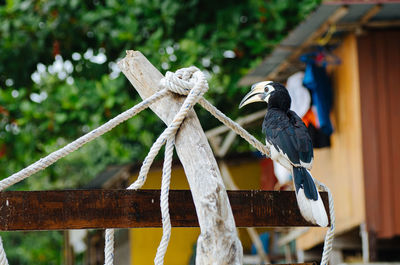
(184, 80)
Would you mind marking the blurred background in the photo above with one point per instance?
(339, 59)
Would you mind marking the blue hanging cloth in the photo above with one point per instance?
(318, 82)
(264, 237)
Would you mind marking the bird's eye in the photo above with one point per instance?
(266, 88)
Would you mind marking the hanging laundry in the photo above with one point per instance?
(316, 79)
(310, 117)
(318, 138)
(301, 98)
(265, 240)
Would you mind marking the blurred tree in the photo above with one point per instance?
(59, 79)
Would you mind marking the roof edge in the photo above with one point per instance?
(355, 2)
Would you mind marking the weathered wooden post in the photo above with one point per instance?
(218, 242)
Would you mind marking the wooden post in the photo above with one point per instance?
(218, 242)
(68, 251)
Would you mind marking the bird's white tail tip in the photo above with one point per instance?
(312, 211)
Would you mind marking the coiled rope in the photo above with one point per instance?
(192, 83)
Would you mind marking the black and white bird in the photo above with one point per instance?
(290, 145)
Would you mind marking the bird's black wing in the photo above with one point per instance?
(304, 142)
(288, 134)
(280, 133)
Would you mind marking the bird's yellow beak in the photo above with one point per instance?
(256, 94)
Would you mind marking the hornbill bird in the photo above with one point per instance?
(290, 145)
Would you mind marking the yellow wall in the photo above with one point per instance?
(340, 166)
(144, 241)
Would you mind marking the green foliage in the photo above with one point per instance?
(34, 247)
(58, 77)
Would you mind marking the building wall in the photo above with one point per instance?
(340, 166)
(379, 57)
(122, 247)
(144, 241)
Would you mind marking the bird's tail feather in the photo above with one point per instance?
(308, 198)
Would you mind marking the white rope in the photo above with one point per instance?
(330, 234)
(234, 126)
(71, 147)
(109, 247)
(165, 183)
(170, 81)
(3, 257)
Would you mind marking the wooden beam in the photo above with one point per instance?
(383, 24)
(351, 26)
(366, 17)
(370, 14)
(336, 16)
(83, 209)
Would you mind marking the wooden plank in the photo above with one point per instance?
(369, 122)
(384, 23)
(379, 24)
(379, 67)
(370, 13)
(393, 79)
(82, 209)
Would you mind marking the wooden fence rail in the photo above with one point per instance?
(81, 209)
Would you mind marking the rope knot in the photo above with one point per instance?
(184, 80)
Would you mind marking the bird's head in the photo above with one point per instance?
(273, 93)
